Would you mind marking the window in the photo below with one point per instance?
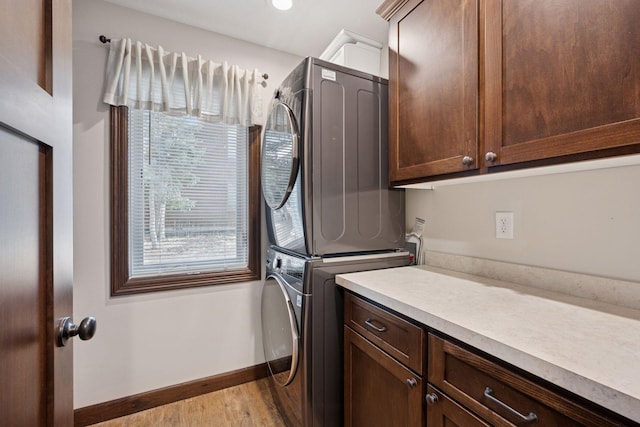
(185, 202)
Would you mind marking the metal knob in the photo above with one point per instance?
(490, 157)
(431, 398)
(67, 329)
(411, 382)
(467, 160)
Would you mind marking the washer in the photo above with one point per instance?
(302, 331)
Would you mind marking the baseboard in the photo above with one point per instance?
(139, 402)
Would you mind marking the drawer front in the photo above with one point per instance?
(498, 394)
(401, 339)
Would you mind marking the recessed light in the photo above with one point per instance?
(282, 4)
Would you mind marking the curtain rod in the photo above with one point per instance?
(104, 40)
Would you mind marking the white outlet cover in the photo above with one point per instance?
(504, 225)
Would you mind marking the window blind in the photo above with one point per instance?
(188, 194)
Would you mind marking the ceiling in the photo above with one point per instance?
(305, 30)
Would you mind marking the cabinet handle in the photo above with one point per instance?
(467, 160)
(411, 382)
(371, 325)
(525, 419)
(490, 157)
(431, 398)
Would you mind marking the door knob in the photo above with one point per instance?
(67, 329)
(467, 160)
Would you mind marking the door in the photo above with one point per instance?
(281, 182)
(36, 234)
(378, 391)
(279, 331)
(281, 342)
(433, 89)
(280, 155)
(562, 78)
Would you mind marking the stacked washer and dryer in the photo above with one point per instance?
(329, 211)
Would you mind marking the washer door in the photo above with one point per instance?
(280, 157)
(279, 331)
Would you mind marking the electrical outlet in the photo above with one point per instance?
(504, 225)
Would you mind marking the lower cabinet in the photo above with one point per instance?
(384, 359)
(378, 390)
(388, 381)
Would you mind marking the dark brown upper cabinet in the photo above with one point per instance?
(561, 77)
(433, 88)
(489, 85)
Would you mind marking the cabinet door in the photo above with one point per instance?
(562, 78)
(442, 411)
(378, 390)
(433, 89)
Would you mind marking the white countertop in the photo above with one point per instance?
(588, 347)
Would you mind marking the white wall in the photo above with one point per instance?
(160, 339)
(586, 222)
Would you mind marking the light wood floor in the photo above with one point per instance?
(245, 405)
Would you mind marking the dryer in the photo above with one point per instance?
(324, 167)
(302, 331)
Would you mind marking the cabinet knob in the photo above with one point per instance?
(431, 398)
(411, 382)
(490, 157)
(467, 160)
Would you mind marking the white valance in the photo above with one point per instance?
(150, 78)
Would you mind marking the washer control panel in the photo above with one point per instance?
(291, 268)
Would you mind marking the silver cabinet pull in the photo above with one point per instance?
(490, 157)
(371, 325)
(411, 382)
(467, 160)
(531, 418)
(431, 398)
